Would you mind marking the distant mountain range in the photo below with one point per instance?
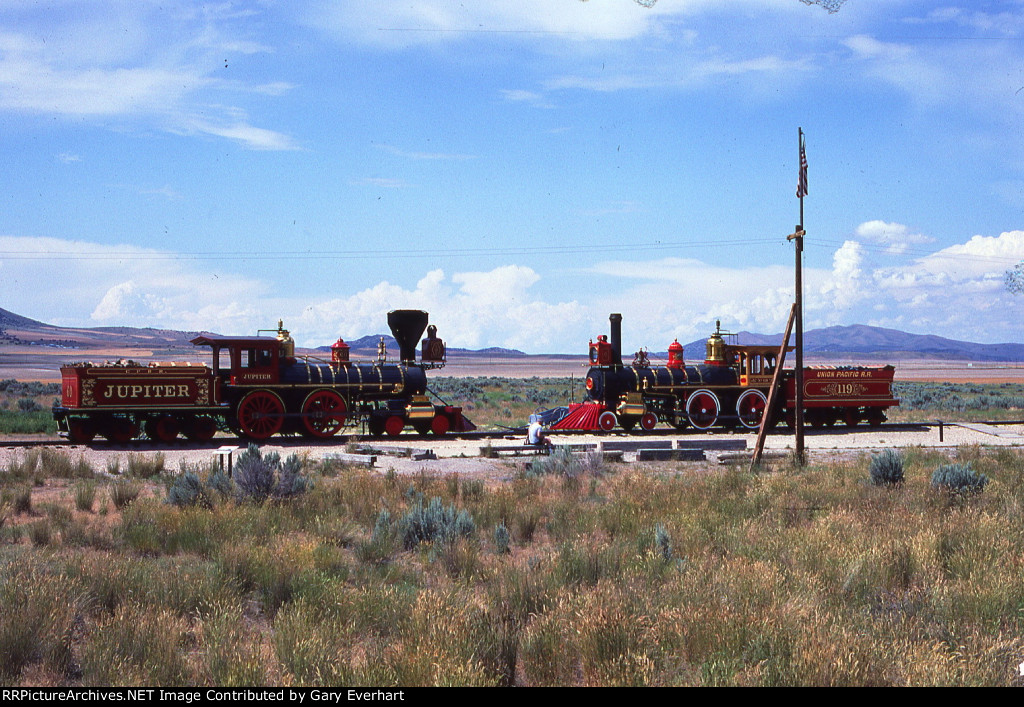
(16, 329)
(868, 342)
(857, 341)
(367, 345)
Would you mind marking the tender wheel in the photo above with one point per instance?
(260, 414)
(815, 418)
(750, 408)
(850, 417)
(324, 413)
(201, 429)
(702, 409)
(876, 416)
(648, 421)
(394, 425)
(163, 429)
(121, 430)
(607, 421)
(81, 431)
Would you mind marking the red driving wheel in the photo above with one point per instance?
(324, 413)
(702, 409)
(260, 414)
(750, 408)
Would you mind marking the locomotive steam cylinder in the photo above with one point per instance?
(407, 326)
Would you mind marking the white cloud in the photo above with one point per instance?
(436, 21)
(956, 292)
(980, 257)
(531, 98)
(137, 62)
(896, 238)
(251, 136)
(470, 309)
(420, 155)
(77, 283)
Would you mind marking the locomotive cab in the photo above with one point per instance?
(253, 360)
(757, 364)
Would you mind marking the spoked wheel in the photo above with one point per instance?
(702, 409)
(260, 414)
(81, 431)
(121, 430)
(201, 429)
(324, 413)
(850, 417)
(163, 429)
(750, 408)
(607, 421)
(648, 421)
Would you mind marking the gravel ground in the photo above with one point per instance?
(462, 456)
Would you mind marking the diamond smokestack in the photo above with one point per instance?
(407, 326)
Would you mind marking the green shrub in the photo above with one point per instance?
(958, 478)
(22, 500)
(40, 532)
(123, 493)
(562, 462)
(434, 523)
(381, 543)
(260, 477)
(662, 542)
(188, 490)
(501, 539)
(886, 469)
(145, 467)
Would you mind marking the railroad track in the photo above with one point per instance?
(341, 440)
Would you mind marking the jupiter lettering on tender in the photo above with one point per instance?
(167, 390)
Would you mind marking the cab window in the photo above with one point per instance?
(255, 358)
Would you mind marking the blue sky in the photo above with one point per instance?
(519, 169)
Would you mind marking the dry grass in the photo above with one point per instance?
(790, 576)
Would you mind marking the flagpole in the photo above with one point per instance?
(798, 238)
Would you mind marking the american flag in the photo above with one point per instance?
(801, 183)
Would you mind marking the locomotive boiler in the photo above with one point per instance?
(729, 388)
(257, 387)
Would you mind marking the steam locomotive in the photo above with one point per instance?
(257, 387)
(729, 388)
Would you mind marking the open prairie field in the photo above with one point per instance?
(564, 570)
